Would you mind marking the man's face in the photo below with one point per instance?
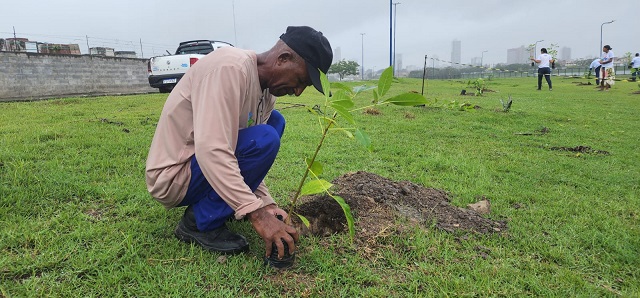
(291, 78)
(605, 50)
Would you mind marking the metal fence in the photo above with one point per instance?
(533, 72)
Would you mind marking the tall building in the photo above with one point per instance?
(476, 61)
(398, 62)
(456, 53)
(565, 54)
(518, 55)
(337, 55)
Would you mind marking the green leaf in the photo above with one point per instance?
(343, 87)
(315, 168)
(343, 112)
(304, 220)
(407, 99)
(345, 131)
(315, 186)
(364, 139)
(325, 84)
(362, 88)
(384, 84)
(345, 103)
(375, 96)
(340, 95)
(347, 214)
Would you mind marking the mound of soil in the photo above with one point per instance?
(377, 203)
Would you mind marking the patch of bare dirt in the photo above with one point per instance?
(580, 149)
(377, 203)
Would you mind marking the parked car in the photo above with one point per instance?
(166, 71)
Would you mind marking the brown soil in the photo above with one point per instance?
(580, 149)
(378, 204)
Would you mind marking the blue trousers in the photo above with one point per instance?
(256, 151)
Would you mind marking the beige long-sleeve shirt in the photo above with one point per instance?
(219, 95)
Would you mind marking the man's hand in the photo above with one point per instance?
(272, 230)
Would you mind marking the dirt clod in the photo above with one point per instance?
(377, 202)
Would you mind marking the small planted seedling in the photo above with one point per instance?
(506, 106)
(332, 115)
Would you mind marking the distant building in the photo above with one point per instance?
(337, 54)
(518, 55)
(456, 53)
(16, 44)
(476, 61)
(565, 54)
(102, 51)
(399, 62)
(126, 54)
(57, 48)
(25, 45)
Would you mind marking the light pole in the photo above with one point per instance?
(390, 32)
(600, 50)
(395, 11)
(362, 60)
(235, 34)
(482, 57)
(535, 47)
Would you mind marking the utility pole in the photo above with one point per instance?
(362, 60)
(15, 40)
(141, 52)
(235, 34)
(395, 11)
(390, 32)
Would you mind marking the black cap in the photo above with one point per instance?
(313, 47)
(608, 47)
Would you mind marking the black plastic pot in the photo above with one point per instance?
(286, 261)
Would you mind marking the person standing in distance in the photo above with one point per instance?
(595, 66)
(607, 67)
(635, 67)
(544, 69)
(218, 136)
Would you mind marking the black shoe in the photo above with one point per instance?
(220, 240)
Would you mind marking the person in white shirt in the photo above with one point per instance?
(635, 66)
(544, 61)
(595, 66)
(607, 67)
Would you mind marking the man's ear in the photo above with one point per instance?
(284, 57)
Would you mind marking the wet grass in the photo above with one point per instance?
(76, 219)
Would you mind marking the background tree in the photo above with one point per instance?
(344, 67)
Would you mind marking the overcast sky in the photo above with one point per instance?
(423, 27)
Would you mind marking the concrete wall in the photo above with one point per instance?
(31, 76)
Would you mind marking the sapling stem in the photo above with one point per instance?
(306, 172)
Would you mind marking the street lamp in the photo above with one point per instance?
(395, 11)
(600, 50)
(235, 34)
(535, 47)
(482, 57)
(362, 60)
(535, 50)
(390, 32)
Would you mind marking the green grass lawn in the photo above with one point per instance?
(76, 219)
